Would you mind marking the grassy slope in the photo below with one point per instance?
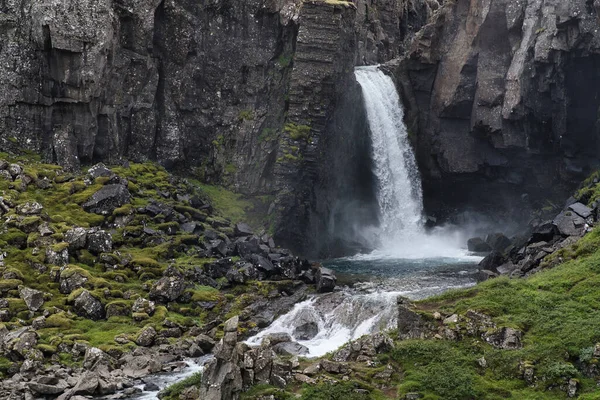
(558, 310)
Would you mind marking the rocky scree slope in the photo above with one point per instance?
(503, 103)
(112, 274)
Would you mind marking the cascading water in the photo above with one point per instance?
(409, 261)
(399, 185)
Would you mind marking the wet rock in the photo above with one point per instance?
(99, 241)
(105, 200)
(87, 306)
(276, 338)
(325, 280)
(151, 387)
(76, 237)
(498, 242)
(492, 261)
(478, 245)
(290, 349)
(581, 210)
(34, 299)
(307, 326)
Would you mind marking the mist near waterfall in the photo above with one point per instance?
(401, 232)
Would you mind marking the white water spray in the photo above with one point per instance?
(399, 193)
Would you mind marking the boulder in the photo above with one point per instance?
(243, 229)
(246, 249)
(492, 261)
(105, 200)
(498, 242)
(325, 280)
(307, 325)
(29, 208)
(569, 223)
(76, 237)
(99, 241)
(146, 337)
(505, 338)
(478, 245)
(57, 255)
(71, 279)
(87, 306)
(168, 288)
(99, 170)
(582, 210)
(34, 299)
(262, 264)
(142, 305)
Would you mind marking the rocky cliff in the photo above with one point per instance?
(504, 102)
(253, 95)
(259, 96)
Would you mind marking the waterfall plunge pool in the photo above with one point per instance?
(325, 322)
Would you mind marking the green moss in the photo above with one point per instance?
(145, 262)
(227, 204)
(205, 293)
(9, 284)
(246, 115)
(60, 320)
(267, 135)
(59, 247)
(298, 132)
(172, 392)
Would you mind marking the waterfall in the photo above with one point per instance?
(399, 185)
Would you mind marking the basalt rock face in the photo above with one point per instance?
(143, 79)
(503, 96)
(211, 87)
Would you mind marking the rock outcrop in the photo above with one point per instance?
(494, 90)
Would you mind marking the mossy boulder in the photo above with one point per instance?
(34, 299)
(87, 306)
(107, 199)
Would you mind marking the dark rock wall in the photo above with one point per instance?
(259, 95)
(208, 86)
(503, 98)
